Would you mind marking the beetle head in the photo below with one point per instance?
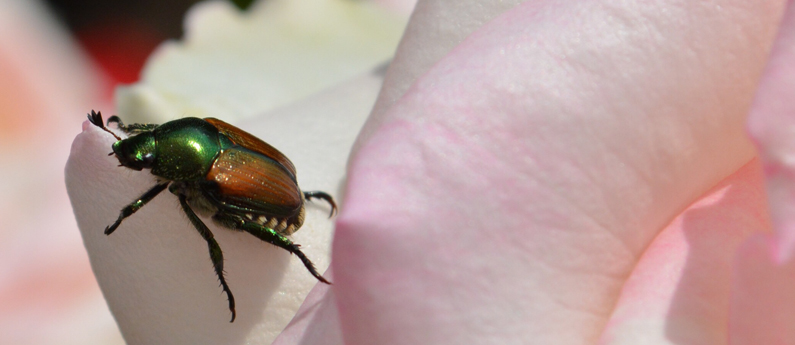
(136, 152)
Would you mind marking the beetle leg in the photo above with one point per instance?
(137, 128)
(133, 128)
(268, 235)
(322, 195)
(216, 255)
(136, 205)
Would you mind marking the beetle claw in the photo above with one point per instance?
(325, 196)
(96, 119)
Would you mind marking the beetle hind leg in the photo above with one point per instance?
(216, 255)
(325, 196)
(268, 235)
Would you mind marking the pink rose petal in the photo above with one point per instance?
(763, 293)
(436, 27)
(511, 192)
(772, 123)
(679, 291)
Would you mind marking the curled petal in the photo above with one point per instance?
(679, 291)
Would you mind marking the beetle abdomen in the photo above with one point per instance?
(284, 226)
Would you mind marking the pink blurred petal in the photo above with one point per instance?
(510, 193)
(679, 290)
(47, 292)
(763, 296)
(317, 321)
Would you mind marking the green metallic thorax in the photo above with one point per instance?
(185, 149)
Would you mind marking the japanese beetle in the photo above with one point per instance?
(217, 170)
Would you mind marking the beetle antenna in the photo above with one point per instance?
(96, 119)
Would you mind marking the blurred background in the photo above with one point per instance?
(119, 35)
(60, 59)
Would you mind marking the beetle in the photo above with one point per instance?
(220, 171)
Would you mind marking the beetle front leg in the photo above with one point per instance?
(216, 255)
(131, 129)
(268, 235)
(136, 205)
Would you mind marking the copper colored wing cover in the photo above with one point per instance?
(248, 180)
(243, 138)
